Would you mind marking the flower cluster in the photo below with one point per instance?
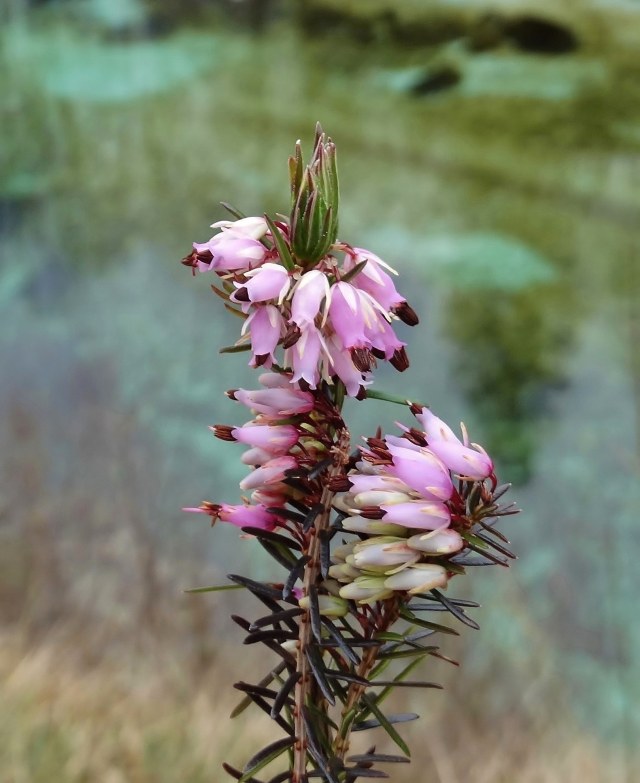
(403, 501)
(317, 315)
(332, 321)
(277, 451)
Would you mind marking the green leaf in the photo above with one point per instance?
(265, 756)
(281, 245)
(386, 725)
(235, 348)
(242, 706)
(378, 758)
(456, 611)
(353, 272)
(408, 653)
(374, 394)
(408, 615)
(214, 588)
(233, 210)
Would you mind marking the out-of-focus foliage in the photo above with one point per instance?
(512, 219)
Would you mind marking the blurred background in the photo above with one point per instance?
(491, 152)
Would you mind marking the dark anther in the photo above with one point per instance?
(407, 314)
(291, 337)
(400, 360)
(242, 295)
(362, 359)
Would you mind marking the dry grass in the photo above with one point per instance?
(147, 720)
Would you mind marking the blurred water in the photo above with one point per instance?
(513, 221)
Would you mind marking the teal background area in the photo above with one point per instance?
(509, 203)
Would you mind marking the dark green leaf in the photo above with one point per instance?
(341, 641)
(353, 272)
(276, 635)
(294, 574)
(275, 672)
(237, 774)
(284, 692)
(378, 758)
(314, 613)
(498, 547)
(325, 552)
(281, 245)
(317, 667)
(235, 348)
(398, 678)
(416, 684)
(348, 677)
(455, 610)
(256, 690)
(312, 515)
(315, 746)
(264, 706)
(266, 756)
(257, 588)
(277, 538)
(280, 553)
(320, 467)
(387, 722)
(278, 617)
(232, 210)
(410, 617)
(420, 651)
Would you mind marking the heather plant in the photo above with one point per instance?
(369, 536)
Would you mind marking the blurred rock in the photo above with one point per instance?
(440, 78)
(541, 35)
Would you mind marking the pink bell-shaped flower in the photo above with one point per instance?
(447, 446)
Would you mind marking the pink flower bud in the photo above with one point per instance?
(255, 457)
(418, 578)
(247, 516)
(275, 402)
(344, 573)
(269, 473)
(329, 605)
(378, 497)
(271, 496)
(430, 515)
(252, 227)
(366, 589)
(422, 471)
(275, 439)
(447, 446)
(275, 380)
(383, 551)
(438, 542)
(362, 482)
(372, 527)
(232, 253)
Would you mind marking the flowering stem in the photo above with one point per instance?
(385, 620)
(312, 578)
